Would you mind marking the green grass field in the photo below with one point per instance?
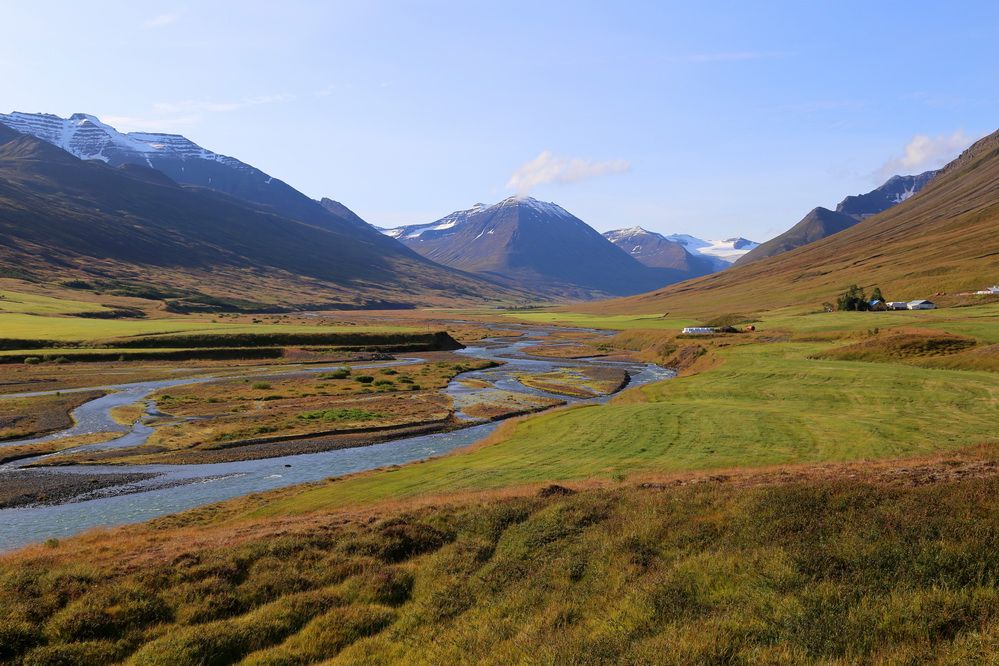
(15, 301)
(765, 404)
(77, 329)
(980, 321)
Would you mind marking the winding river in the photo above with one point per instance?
(178, 487)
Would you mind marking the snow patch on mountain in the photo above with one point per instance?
(86, 137)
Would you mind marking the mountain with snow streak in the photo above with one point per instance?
(535, 245)
(821, 222)
(894, 191)
(182, 160)
(656, 251)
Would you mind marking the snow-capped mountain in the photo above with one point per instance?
(655, 250)
(184, 161)
(536, 244)
(86, 137)
(723, 252)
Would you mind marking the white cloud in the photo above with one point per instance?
(549, 168)
(923, 153)
(160, 21)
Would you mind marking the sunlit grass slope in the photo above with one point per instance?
(764, 404)
(77, 329)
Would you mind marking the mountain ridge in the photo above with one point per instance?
(941, 240)
(62, 216)
(535, 243)
(821, 222)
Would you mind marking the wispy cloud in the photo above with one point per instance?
(727, 56)
(160, 21)
(549, 168)
(923, 153)
(152, 124)
(174, 116)
(207, 106)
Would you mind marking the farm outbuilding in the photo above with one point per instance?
(922, 305)
(897, 305)
(698, 330)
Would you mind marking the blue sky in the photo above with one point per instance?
(718, 119)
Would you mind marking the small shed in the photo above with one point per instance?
(922, 305)
(897, 305)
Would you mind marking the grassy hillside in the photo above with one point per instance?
(944, 239)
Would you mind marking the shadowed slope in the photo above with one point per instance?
(60, 215)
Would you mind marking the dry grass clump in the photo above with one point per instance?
(832, 570)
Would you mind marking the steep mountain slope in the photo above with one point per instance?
(535, 244)
(656, 251)
(64, 217)
(821, 222)
(895, 190)
(181, 159)
(818, 224)
(944, 239)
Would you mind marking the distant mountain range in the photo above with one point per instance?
(111, 209)
(536, 244)
(943, 238)
(657, 251)
(821, 222)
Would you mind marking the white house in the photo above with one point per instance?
(698, 330)
(921, 305)
(897, 305)
(989, 291)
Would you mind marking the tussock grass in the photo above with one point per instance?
(835, 569)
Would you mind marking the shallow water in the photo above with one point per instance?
(180, 487)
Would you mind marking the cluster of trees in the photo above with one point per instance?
(854, 299)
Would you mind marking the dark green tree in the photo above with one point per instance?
(876, 294)
(853, 300)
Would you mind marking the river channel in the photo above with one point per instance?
(179, 487)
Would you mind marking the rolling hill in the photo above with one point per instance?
(821, 222)
(538, 245)
(943, 239)
(66, 218)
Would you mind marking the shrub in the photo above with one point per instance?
(342, 373)
(343, 414)
(32, 360)
(364, 379)
(390, 371)
(260, 385)
(384, 382)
